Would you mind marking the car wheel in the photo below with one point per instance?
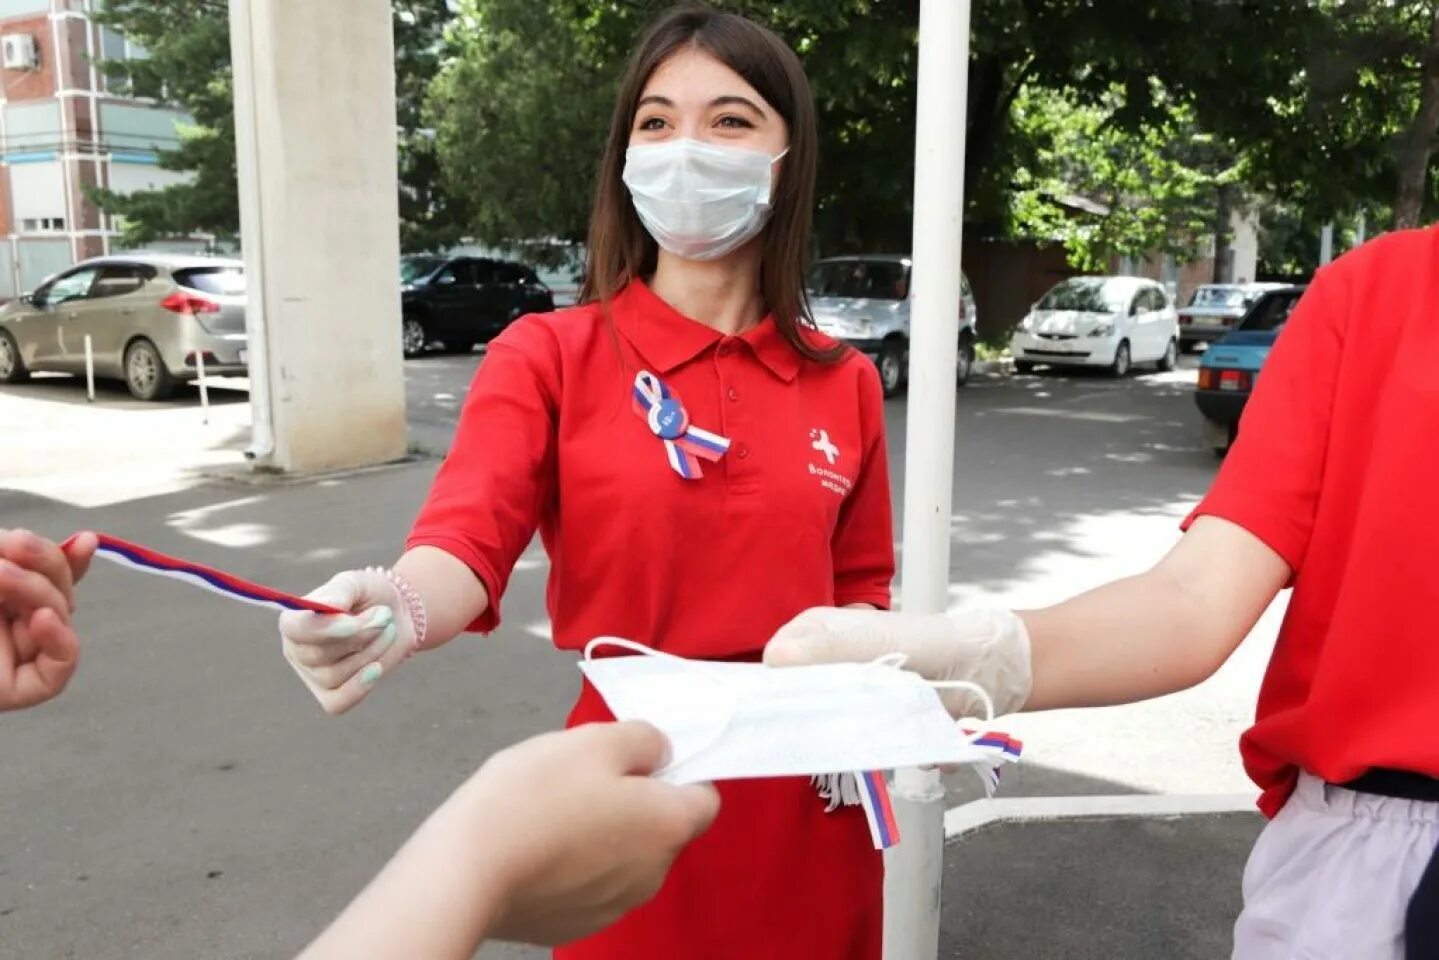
(1170, 360)
(1122, 360)
(146, 374)
(1023, 367)
(964, 366)
(413, 337)
(891, 368)
(12, 365)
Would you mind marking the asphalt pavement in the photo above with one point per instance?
(186, 799)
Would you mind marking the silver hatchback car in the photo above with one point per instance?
(150, 320)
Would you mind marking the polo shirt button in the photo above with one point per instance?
(742, 451)
(733, 395)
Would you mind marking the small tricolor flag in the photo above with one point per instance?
(154, 562)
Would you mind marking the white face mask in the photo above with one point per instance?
(700, 201)
(739, 720)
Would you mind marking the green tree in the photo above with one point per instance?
(188, 66)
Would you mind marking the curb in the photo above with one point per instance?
(981, 814)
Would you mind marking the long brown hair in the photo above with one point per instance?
(621, 250)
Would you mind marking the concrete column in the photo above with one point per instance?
(315, 137)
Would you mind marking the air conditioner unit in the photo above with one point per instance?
(21, 52)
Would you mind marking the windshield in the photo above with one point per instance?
(1221, 297)
(1088, 295)
(1271, 312)
(859, 279)
(415, 268)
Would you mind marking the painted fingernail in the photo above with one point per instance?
(380, 616)
(388, 637)
(371, 675)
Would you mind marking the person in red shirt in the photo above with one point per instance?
(701, 466)
(1324, 493)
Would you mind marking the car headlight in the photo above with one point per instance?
(1027, 324)
(1103, 330)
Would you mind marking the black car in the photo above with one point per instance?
(462, 301)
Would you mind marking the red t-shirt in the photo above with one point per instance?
(1336, 457)
(796, 515)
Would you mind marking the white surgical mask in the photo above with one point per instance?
(739, 720)
(700, 201)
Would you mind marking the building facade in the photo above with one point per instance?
(66, 129)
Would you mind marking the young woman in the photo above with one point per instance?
(701, 466)
(1325, 492)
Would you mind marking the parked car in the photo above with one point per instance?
(1108, 322)
(1214, 310)
(462, 301)
(1231, 365)
(149, 318)
(864, 300)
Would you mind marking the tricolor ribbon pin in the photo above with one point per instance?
(685, 444)
(154, 562)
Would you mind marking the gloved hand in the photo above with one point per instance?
(987, 647)
(341, 658)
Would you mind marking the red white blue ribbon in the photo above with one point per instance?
(685, 444)
(878, 811)
(154, 562)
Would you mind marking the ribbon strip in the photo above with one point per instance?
(685, 445)
(154, 562)
(878, 811)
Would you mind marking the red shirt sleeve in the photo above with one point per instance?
(487, 498)
(1270, 481)
(863, 544)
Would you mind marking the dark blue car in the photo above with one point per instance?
(1231, 365)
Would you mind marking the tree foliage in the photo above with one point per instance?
(188, 66)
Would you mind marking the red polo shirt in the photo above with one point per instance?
(796, 515)
(1337, 460)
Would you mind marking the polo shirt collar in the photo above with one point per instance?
(668, 339)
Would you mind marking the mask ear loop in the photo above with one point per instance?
(716, 735)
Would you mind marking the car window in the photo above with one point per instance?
(461, 273)
(1271, 312)
(859, 279)
(417, 268)
(1218, 296)
(120, 279)
(73, 286)
(220, 281)
(510, 273)
(1087, 295)
(1154, 299)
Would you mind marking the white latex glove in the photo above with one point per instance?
(987, 647)
(341, 658)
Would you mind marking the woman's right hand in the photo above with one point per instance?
(341, 657)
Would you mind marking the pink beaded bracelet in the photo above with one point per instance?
(414, 605)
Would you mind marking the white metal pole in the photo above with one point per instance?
(204, 390)
(1326, 244)
(89, 369)
(247, 165)
(914, 869)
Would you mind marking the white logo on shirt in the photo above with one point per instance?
(823, 445)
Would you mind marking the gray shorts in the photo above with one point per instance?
(1331, 876)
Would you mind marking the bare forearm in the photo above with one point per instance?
(452, 594)
(1157, 633)
(435, 899)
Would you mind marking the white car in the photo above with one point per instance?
(1106, 322)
